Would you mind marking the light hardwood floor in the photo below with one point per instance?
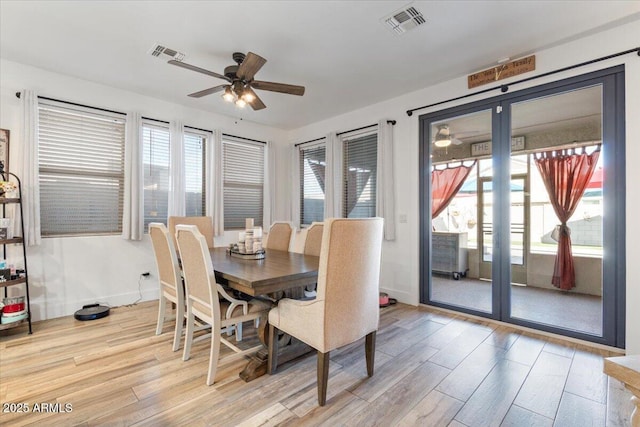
(432, 369)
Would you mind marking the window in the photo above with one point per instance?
(243, 180)
(194, 167)
(155, 155)
(359, 176)
(81, 167)
(312, 170)
(156, 162)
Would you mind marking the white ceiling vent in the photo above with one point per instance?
(157, 50)
(403, 20)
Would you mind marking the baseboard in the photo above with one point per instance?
(54, 308)
(401, 296)
(528, 330)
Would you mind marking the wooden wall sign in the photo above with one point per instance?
(502, 71)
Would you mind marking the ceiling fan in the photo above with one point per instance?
(444, 137)
(241, 85)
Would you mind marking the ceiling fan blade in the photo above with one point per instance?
(207, 91)
(278, 87)
(250, 66)
(256, 103)
(198, 69)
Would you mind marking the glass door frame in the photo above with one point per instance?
(614, 239)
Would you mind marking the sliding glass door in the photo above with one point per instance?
(461, 213)
(518, 222)
(561, 147)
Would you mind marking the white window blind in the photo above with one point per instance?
(243, 181)
(155, 142)
(312, 173)
(359, 175)
(81, 167)
(194, 169)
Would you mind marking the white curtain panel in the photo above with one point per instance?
(215, 195)
(177, 204)
(268, 183)
(295, 184)
(132, 217)
(28, 170)
(333, 177)
(385, 190)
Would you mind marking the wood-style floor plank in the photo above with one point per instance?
(392, 406)
(586, 378)
(493, 398)
(436, 409)
(116, 372)
(518, 417)
(542, 390)
(578, 411)
(468, 375)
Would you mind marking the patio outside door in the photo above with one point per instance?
(522, 206)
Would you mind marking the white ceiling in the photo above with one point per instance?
(339, 50)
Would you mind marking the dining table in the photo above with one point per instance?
(279, 274)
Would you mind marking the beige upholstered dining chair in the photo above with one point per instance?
(313, 241)
(171, 288)
(204, 302)
(204, 224)
(346, 307)
(280, 236)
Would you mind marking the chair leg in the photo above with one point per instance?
(188, 339)
(214, 353)
(272, 344)
(177, 335)
(370, 351)
(323, 377)
(161, 309)
(238, 332)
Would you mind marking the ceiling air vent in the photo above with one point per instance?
(158, 50)
(403, 20)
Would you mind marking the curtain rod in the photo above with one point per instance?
(505, 87)
(109, 111)
(242, 137)
(76, 104)
(201, 130)
(392, 122)
(166, 122)
(308, 142)
(155, 120)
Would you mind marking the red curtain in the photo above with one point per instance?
(566, 174)
(445, 184)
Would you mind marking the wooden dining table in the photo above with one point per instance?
(279, 273)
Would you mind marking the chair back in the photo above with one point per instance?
(166, 260)
(204, 224)
(199, 279)
(313, 241)
(280, 236)
(348, 278)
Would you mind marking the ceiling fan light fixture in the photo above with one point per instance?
(442, 141)
(248, 97)
(228, 95)
(241, 103)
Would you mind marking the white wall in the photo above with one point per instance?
(400, 265)
(66, 273)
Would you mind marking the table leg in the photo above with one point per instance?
(288, 349)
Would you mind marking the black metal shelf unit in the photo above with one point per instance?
(16, 279)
